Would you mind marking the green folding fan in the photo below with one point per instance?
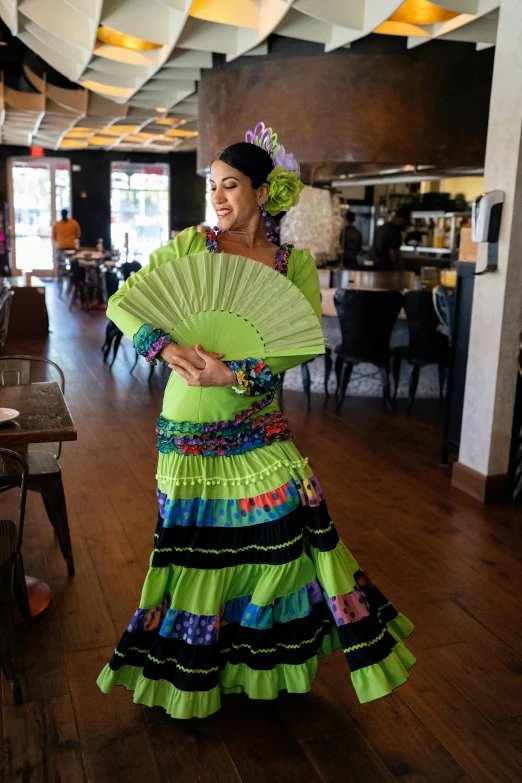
(229, 304)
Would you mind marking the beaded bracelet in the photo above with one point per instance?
(253, 376)
(149, 342)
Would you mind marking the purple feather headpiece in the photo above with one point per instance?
(265, 138)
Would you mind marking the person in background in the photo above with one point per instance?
(352, 240)
(387, 241)
(65, 232)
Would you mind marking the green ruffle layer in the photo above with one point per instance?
(372, 682)
(244, 475)
(204, 591)
(235, 678)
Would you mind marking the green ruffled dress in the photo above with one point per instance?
(249, 584)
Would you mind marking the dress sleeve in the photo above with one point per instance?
(130, 324)
(306, 278)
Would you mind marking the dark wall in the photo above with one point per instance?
(377, 102)
(90, 187)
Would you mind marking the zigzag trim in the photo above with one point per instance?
(229, 549)
(366, 644)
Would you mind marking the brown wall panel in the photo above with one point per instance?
(378, 104)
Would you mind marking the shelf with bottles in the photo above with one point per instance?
(435, 232)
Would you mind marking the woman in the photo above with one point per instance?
(249, 583)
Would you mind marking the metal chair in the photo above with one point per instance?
(367, 319)
(45, 473)
(12, 577)
(6, 297)
(426, 343)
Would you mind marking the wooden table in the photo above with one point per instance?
(44, 418)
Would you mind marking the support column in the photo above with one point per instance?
(496, 323)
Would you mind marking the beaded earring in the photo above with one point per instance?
(269, 225)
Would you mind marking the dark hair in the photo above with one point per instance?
(65, 214)
(404, 213)
(252, 161)
(349, 216)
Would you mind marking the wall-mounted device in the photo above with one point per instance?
(486, 214)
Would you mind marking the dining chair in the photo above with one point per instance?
(6, 297)
(366, 319)
(427, 345)
(12, 577)
(113, 337)
(45, 473)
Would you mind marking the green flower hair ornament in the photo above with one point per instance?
(285, 189)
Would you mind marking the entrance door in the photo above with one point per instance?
(139, 208)
(40, 189)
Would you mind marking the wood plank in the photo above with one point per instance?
(405, 746)
(348, 752)
(115, 743)
(193, 751)
(473, 741)
(259, 745)
(41, 743)
(492, 684)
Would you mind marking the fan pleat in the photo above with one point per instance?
(171, 296)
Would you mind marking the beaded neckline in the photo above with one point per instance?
(282, 255)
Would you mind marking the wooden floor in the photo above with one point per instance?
(454, 568)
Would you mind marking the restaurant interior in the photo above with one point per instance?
(113, 111)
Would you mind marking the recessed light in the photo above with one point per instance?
(160, 108)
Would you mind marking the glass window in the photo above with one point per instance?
(139, 207)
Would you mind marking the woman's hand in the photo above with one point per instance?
(173, 351)
(214, 372)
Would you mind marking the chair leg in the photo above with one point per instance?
(414, 380)
(327, 369)
(347, 374)
(135, 363)
(442, 381)
(7, 635)
(117, 341)
(20, 591)
(385, 375)
(51, 490)
(396, 368)
(338, 373)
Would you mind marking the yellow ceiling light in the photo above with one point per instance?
(238, 13)
(422, 12)
(79, 133)
(112, 37)
(75, 144)
(401, 28)
(120, 130)
(101, 141)
(175, 132)
(169, 121)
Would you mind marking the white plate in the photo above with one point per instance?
(8, 414)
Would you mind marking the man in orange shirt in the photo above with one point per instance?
(65, 232)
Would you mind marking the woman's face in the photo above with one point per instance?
(235, 201)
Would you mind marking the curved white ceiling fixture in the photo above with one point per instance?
(146, 56)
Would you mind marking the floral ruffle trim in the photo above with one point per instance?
(253, 377)
(231, 440)
(149, 342)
